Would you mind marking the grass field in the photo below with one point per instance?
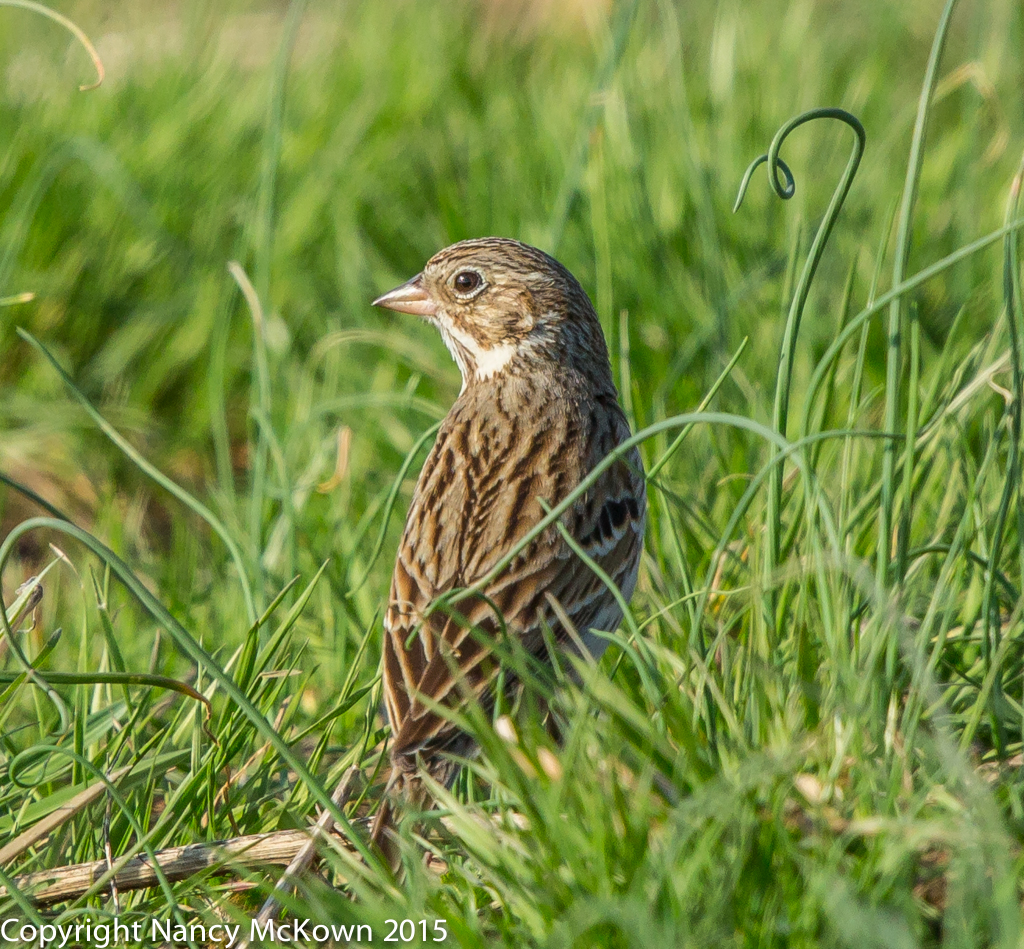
(809, 731)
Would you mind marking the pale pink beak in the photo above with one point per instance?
(410, 297)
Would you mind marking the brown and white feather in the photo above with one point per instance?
(537, 412)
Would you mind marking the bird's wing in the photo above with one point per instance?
(444, 659)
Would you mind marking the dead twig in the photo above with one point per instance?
(279, 848)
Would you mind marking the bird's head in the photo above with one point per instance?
(503, 306)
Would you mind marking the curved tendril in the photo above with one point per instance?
(785, 190)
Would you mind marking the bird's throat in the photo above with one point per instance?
(476, 362)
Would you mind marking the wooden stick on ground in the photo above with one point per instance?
(279, 848)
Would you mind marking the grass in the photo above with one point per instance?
(808, 732)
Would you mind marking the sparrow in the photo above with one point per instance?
(538, 410)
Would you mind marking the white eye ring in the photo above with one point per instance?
(467, 283)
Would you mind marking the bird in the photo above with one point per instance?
(538, 410)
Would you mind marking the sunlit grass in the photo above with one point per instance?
(809, 732)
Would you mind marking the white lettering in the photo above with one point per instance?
(216, 928)
(256, 933)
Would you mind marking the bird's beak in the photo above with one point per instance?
(410, 297)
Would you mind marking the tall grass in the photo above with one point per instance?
(809, 729)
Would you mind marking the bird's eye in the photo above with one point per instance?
(466, 281)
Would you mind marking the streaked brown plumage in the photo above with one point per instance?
(538, 410)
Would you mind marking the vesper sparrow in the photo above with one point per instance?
(537, 411)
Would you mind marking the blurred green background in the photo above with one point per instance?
(330, 149)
